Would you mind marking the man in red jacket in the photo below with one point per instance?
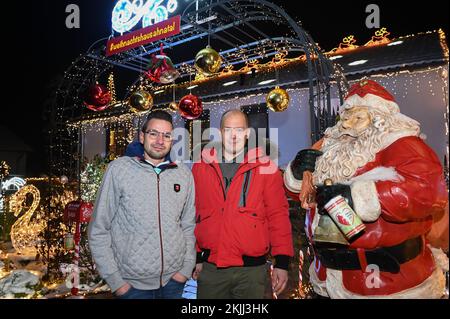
(242, 215)
(377, 160)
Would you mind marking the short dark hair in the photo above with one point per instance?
(233, 111)
(157, 114)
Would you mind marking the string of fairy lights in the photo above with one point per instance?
(82, 72)
(414, 78)
(400, 83)
(4, 169)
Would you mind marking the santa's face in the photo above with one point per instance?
(354, 121)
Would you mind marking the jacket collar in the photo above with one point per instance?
(168, 163)
(211, 154)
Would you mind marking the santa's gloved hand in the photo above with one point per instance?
(326, 193)
(305, 160)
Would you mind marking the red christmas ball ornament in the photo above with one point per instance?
(190, 107)
(97, 97)
(161, 69)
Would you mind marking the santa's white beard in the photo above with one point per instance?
(343, 154)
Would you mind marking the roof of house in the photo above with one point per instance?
(416, 51)
(409, 52)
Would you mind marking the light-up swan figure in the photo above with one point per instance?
(127, 13)
(25, 231)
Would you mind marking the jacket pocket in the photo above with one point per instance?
(203, 215)
(252, 214)
(252, 232)
(207, 228)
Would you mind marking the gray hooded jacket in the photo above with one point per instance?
(142, 228)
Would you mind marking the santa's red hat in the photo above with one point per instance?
(371, 94)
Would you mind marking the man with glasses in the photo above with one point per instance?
(142, 231)
(242, 215)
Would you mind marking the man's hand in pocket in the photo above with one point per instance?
(179, 277)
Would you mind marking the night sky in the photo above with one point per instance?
(38, 47)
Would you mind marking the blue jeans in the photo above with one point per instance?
(172, 290)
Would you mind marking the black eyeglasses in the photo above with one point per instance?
(153, 134)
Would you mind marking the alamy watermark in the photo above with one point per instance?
(187, 147)
(373, 19)
(373, 280)
(73, 19)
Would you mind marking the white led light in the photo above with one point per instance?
(266, 82)
(127, 14)
(359, 62)
(335, 57)
(191, 87)
(158, 92)
(229, 83)
(14, 183)
(394, 43)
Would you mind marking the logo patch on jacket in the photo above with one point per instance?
(176, 187)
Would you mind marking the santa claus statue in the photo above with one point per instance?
(376, 159)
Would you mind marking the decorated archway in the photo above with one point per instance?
(250, 35)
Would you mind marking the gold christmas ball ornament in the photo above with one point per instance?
(173, 106)
(277, 100)
(208, 61)
(141, 100)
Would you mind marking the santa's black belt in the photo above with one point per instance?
(387, 259)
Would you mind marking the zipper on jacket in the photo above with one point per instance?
(244, 189)
(221, 183)
(160, 234)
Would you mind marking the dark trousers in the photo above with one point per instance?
(232, 282)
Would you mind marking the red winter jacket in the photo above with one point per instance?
(230, 229)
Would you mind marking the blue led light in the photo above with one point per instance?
(127, 13)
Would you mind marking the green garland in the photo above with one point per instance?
(91, 178)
